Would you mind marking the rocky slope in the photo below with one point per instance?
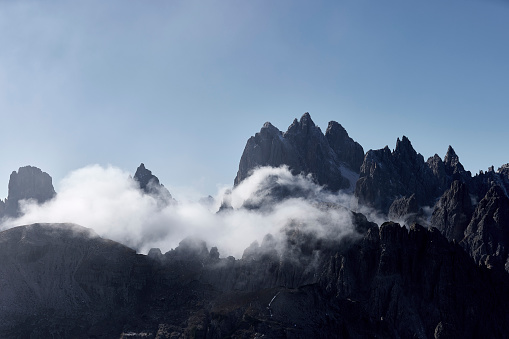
(387, 176)
(399, 183)
(57, 280)
(447, 279)
(390, 282)
(332, 159)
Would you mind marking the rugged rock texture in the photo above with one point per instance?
(453, 211)
(386, 176)
(64, 281)
(487, 234)
(406, 210)
(482, 182)
(453, 167)
(28, 183)
(150, 184)
(304, 149)
(348, 151)
(437, 166)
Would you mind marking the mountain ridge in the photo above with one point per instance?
(440, 273)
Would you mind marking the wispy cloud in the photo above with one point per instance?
(107, 200)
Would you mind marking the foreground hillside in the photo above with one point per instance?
(61, 281)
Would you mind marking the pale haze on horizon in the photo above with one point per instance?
(182, 85)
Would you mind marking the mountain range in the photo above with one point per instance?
(435, 266)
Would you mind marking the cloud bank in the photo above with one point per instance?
(109, 201)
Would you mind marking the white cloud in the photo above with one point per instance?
(107, 200)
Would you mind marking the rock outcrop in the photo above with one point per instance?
(386, 176)
(29, 183)
(487, 234)
(305, 149)
(150, 184)
(453, 168)
(347, 150)
(389, 282)
(406, 210)
(453, 211)
(63, 281)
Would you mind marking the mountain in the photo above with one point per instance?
(62, 281)
(58, 279)
(150, 184)
(28, 183)
(444, 273)
(332, 159)
(399, 183)
(387, 176)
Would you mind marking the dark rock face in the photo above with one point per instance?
(407, 210)
(482, 182)
(386, 176)
(150, 184)
(304, 149)
(453, 167)
(347, 150)
(65, 282)
(453, 211)
(487, 234)
(437, 166)
(28, 183)
(386, 283)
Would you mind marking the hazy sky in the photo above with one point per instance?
(182, 85)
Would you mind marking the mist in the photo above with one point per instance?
(109, 201)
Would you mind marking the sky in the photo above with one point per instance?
(182, 85)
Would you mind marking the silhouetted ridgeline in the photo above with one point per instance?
(442, 275)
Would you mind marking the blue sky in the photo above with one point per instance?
(182, 85)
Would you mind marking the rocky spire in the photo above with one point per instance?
(347, 150)
(304, 149)
(150, 184)
(453, 211)
(387, 176)
(452, 163)
(28, 183)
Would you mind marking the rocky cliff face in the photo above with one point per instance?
(386, 176)
(58, 280)
(387, 282)
(332, 159)
(453, 212)
(356, 280)
(487, 234)
(150, 184)
(28, 183)
(347, 150)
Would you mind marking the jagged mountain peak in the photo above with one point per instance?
(348, 151)
(404, 146)
(268, 125)
(144, 176)
(333, 159)
(453, 165)
(390, 176)
(28, 182)
(336, 128)
(451, 158)
(304, 126)
(150, 184)
(504, 169)
(305, 119)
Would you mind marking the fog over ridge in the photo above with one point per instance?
(109, 201)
